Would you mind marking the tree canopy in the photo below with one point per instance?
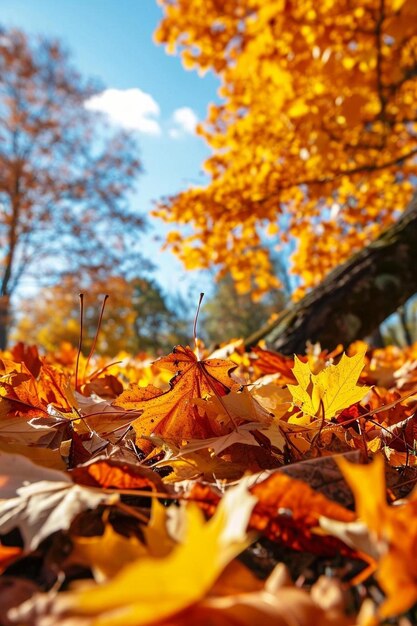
(315, 139)
(63, 185)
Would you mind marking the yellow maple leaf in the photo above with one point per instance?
(334, 388)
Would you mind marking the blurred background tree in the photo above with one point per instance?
(231, 315)
(159, 324)
(64, 185)
(54, 315)
(137, 317)
(228, 314)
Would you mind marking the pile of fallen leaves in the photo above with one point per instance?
(224, 489)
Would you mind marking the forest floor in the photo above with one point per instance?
(227, 489)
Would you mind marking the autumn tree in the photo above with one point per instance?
(159, 322)
(64, 183)
(53, 316)
(137, 316)
(228, 314)
(314, 141)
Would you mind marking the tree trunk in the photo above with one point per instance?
(355, 297)
(4, 320)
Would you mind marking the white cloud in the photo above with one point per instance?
(185, 121)
(132, 109)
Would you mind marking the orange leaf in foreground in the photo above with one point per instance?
(28, 355)
(395, 528)
(23, 394)
(173, 414)
(19, 395)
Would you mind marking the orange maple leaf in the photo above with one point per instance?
(23, 394)
(173, 414)
(19, 394)
(28, 355)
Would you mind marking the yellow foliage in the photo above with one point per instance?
(315, 124)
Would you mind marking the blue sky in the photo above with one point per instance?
(112, 40)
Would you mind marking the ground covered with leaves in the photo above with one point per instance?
(231, 489)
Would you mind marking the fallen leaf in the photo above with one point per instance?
(18, 471)
(41, 506)
(242, 434)
(231, 410)
(101, 416)
(289, 511)
(273, 398)
(394, 532)
(28, 355)
(173, 414)
(133, 597)
(19, 395)
(334, 387)
(104, 472)
(269, 362)
(41, 456)
(106, 554)
(201, 465)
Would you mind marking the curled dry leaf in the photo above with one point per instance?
(271, 396)
(42, 508)
(17, 471)
(104, 472)
(287, 511)
(101, 416)
(39, 501)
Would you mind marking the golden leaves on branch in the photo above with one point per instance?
(314, 140)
